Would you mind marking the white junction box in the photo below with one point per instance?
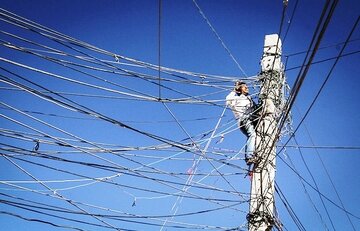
(268, 63)
(272, 45)
(271, 60)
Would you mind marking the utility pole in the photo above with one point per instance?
(261, 215)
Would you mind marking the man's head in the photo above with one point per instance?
(241, 88)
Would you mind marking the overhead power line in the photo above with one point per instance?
(325, 81)
(153, 170)
(219, 38)
(326, 60)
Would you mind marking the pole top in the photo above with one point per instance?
(272, 44)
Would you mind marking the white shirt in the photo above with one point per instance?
(241, 105)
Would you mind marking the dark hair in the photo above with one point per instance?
(239, 83)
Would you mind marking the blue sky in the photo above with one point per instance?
(117, 159)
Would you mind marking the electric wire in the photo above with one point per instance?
(107, 179)
(136, 75)
(167, 144)
(289, 208)
(219, 38)
(329, 177)
(35, 26)
(196, 74)
(159, 46)
(316, 186)
(308, 195)
(47, 97)
(149, 97)
(290, 21)
(323, 47)
(195, 164)
(260, 198)
(316, 97)
(132, 73)
(127, 215)
(325, 60)
(57, 194)
(317, 37)
(27, 80)
(325, 81)
(40, 221)
(59, 209)
(125, 167)
(218, 79)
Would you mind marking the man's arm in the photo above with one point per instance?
(230, 99)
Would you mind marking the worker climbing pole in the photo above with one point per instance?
(261, 215)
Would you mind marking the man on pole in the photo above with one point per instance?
(243, 108)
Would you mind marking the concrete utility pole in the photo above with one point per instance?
(261, 215)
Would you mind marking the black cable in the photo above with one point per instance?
(127, 215)
(302, 76)
(291, 20)
(41, 221)
(156, 180)
(218, 37)
(107, 64)
(322, 48)
(325, 60)
(288, 207)
(311, 186)
(125, 121)
(134, 74)
(184, 147)
(38, 209)
(159, 45)
(90, 112)
(113, 170)
(316, 185)
(261, 197)
(52, 50)
(303, 72)
(308, 195)
(324, 82)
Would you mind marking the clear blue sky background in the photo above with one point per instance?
(145, 187)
